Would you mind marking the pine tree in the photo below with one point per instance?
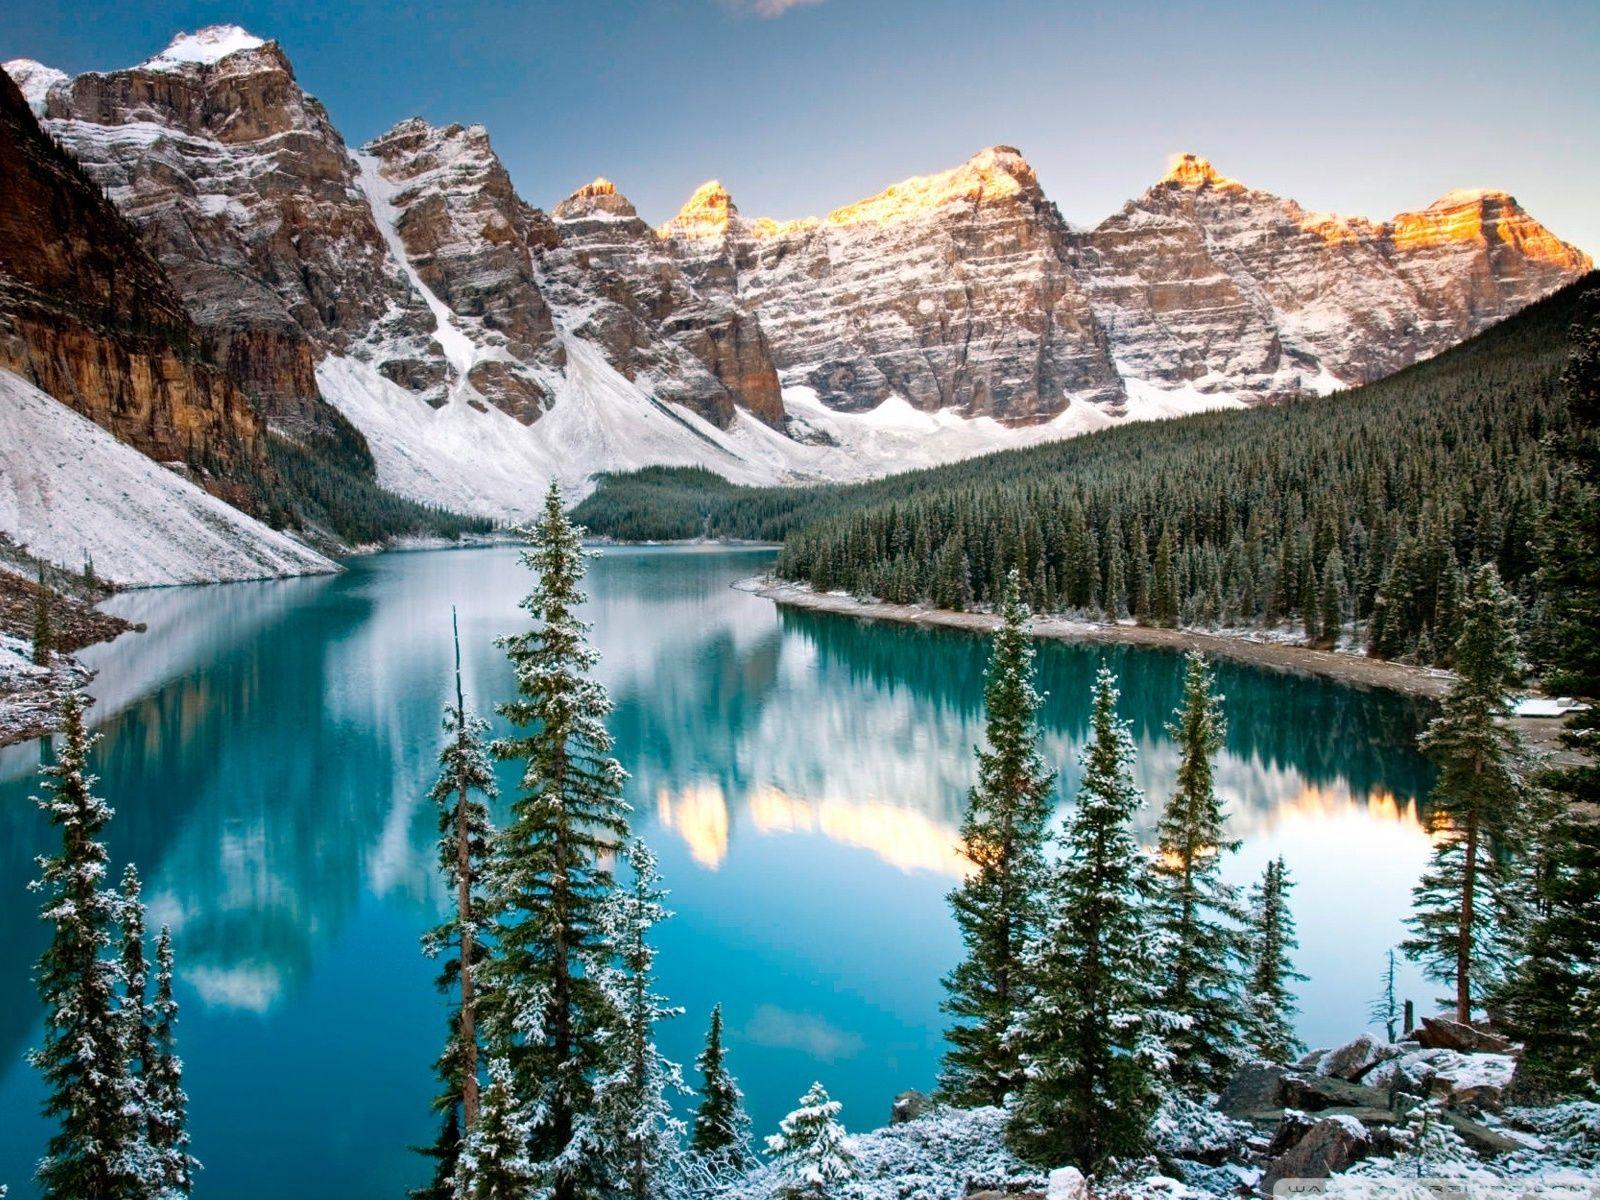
(465, 835)
(1474, 808)
(1196, 914)
(1557, 979)
(1269, 1000)
(1385, 1010)
(1164, 582)
(1002, 836)
(632, 1104)
(167, 1105)
(721, 1135)
(494, 1163)
(810, 1147)
(1428, 1139)
(137, 1038)
(43, 639)
(1090, 1047)
(550, 881)
(82, 1059)
(1333, 599)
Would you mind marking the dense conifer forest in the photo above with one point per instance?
(1355, 517)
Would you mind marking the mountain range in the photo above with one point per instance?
(234, 267)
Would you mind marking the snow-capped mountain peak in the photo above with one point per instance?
(704, 215)
(35, 81)
(204, 47)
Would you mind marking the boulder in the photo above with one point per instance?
(1330, 1145)
(1317, 1092)
(908, 1106)
(1294, 1126)
(1474, 1082)
(1067, 1183)
(1254, 1090)
(1354, 1059)
(1482, 1138)
(1441, 1033)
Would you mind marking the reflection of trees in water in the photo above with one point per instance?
(1329, 733)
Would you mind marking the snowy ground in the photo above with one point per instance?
(71, 492)
(29, 694)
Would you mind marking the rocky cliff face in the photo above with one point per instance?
(244, 191)
(701, 349)
(87, 315)
(949, 290)
(1203, 282)
(965, 290)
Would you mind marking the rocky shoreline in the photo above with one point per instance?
(30, 694)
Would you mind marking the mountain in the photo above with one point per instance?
(482, 346)
(951, 291)
(88, 315)
(1203, 282)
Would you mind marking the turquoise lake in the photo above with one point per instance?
(268, 748)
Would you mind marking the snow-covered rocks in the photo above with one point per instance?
(204, 47)
(1472, 1082)
(1352, 1060)
(1066, 1183)
(71, 493)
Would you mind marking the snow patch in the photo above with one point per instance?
(35, 81)
(69, 491)
(204, 47)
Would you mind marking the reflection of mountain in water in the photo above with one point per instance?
(863, 732)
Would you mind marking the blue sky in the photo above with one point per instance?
(801, 106)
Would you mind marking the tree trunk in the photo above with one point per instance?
(1469, 879)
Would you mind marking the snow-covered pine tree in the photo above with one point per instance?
(1428, 1138)
(1473, 809)
(1196, 915)
(721, 1136)
(1090, 1047)
(1385, 1010)
(1269, 999)
(494, 1163)
(168, 1110)
(549, 878)
(137, 1038)
(810, 1148)
(632, 1110)
(82, 1059)
(996, 905)
(465, 783)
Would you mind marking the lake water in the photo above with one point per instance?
(268, 748)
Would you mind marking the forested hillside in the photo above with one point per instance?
(1360, 510)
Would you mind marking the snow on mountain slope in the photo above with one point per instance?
(473, 458)
(71, 492)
